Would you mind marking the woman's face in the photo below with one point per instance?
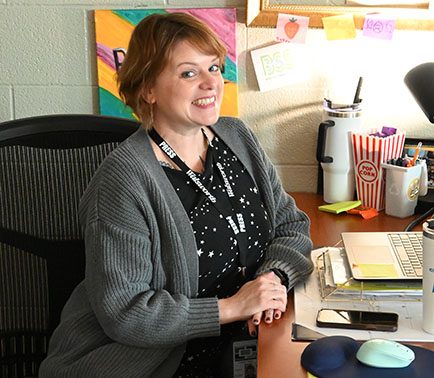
(188, 92)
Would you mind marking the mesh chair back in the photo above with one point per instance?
(45, 166)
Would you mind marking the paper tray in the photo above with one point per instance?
(336, 282)
(308, 301)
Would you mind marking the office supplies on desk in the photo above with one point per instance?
(402, 189)
(339, 207)
(336, 282)
(426, 193)
(357, 98)
(364, 211)
(356, 319)
(384, 255)
(416, 154)
(336, 357)
(308, 301)
(385, 354)
(369, 152)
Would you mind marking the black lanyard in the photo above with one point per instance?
(238, 227)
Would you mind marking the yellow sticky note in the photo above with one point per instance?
(378, 270)
(310, 375)
(339, 27)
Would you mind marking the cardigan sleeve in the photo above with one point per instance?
(119, 274)
(290, 248)
(136, 271)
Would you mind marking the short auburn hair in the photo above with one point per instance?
(149, 49)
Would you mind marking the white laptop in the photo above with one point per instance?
(384, 255)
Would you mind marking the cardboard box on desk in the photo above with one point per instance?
(369, 152)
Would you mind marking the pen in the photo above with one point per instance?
(356, 96)
(412, 162)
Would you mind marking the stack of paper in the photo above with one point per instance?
(336, 281)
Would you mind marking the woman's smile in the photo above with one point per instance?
(205, 102)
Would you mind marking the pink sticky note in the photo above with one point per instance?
(378, 26)
(291, 28)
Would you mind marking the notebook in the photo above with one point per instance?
(384, 255)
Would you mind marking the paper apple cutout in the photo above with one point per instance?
(291, 28)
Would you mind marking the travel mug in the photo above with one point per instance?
(334, 151)
(428, 277)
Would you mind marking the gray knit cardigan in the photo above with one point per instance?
(137, 307)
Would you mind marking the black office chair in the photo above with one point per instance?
(46, 163)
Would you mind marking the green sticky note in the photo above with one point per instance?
(378, 270)
(339, 207)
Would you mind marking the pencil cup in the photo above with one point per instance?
(402, 189)
(428, 277)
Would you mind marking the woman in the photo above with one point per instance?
(188, 231)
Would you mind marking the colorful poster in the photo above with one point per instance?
(113, 30)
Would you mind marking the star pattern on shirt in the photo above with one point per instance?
(216, 245)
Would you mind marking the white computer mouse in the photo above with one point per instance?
(383, 353)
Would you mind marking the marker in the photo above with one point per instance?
(412, 162)
(356, 96)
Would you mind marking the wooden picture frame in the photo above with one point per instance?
(260, 13)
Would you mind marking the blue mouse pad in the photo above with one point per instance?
(335, 357)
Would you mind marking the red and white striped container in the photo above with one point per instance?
(368, 153)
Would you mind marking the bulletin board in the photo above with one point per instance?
(113, 31)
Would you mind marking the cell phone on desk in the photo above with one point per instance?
(354, 319)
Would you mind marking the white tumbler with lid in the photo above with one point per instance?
(335, 152)
(428, 277)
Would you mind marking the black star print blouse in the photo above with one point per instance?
(217, 247)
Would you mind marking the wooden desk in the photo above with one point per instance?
(278, 356)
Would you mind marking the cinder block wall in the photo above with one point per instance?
(47, 65)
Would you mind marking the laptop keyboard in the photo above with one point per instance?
(408, 250)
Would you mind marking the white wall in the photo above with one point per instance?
(47, 65)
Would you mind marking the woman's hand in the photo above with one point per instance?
(254, 297)
(269, 315)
